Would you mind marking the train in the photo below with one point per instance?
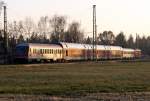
(29, 52)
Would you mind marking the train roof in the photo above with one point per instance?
(115, 48)
(72, 45)
(80, 46)
(137, 50)
(39, 45)
(128, 50)
(88, 46)
(77, 46)
(102, 47)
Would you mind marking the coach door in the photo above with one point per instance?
(54, 55)
(85, 52)
(65, 54)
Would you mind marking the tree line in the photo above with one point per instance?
(56, 29)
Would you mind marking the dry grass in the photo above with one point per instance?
(75, 78)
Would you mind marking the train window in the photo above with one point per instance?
(40, 51)
(48, 51)
(52, 51)
(45, 51)
(66, 53)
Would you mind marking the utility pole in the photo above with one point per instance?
(94, 34)
(5, 31)
(5, 35)
(137, 43)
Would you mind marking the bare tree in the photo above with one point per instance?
(106, 38)
(29, 27)
(130, 42)
(43, 25)
(74, 33)
(58, 24)
(121, 40)
(15, 29)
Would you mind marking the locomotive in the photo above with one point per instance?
(71, 52)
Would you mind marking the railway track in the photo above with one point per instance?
(82, 62)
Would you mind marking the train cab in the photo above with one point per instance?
(38, 52)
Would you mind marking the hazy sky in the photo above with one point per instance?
(129, 16)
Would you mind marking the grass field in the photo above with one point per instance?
(75, 78)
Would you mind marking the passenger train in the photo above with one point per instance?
(71, 52)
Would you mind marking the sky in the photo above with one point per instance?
(129, 16)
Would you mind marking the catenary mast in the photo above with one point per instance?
(94, 34)
(5, 41)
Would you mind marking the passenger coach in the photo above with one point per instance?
(38, 52)
(128, 53)
(71, 51)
